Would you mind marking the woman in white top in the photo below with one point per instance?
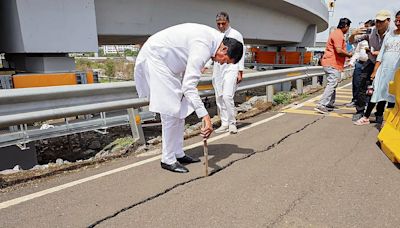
(385, 67)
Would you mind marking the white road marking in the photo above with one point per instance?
(156, 158)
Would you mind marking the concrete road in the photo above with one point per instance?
(291, 169)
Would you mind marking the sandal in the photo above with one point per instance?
(363, 121)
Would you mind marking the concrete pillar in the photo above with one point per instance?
(299, 86)
(270, 93)
(314, 82)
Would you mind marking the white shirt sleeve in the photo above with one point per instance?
(241, 62)
(208, 64)
(356, 55)
(239, 37)
(199, 53)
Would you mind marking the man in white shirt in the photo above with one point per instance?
(225, 79)
(167, 71)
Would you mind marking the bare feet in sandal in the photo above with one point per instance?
(363, 121)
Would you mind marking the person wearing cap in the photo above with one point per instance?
(375, 40)
(225, 79)
(387, 62)
(167, 71)
(333, 63)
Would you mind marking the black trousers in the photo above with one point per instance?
(380, 108)
(361, 100)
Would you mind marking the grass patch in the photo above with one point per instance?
(282, 98)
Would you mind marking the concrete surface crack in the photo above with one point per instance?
(201, 177)
(292, 205)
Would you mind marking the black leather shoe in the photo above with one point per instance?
(187, 159)
(176, 167)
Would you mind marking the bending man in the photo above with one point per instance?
(167, 71)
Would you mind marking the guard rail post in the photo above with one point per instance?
(136, 125)
(299, 86)
(270, 93)
(314, 82)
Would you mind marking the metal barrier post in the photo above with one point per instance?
(136, 125)
(270, 93)
(299, 86)
(314, 82)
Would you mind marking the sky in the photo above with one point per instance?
(357, 11)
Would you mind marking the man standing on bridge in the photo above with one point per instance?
(333, 63)
(167, 71)
(225, 79)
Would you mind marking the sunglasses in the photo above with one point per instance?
(222, 23)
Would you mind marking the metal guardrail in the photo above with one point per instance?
(22, 106)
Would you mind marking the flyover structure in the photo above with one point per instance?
(38, 35)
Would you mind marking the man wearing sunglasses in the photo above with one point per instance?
(375, 40)
(225, 79)
(167, 71)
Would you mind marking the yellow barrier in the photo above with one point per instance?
(389, 136)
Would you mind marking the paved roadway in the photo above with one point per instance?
(290, 169)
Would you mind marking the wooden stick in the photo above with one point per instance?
(205, 147)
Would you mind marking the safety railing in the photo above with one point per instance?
(24, 106)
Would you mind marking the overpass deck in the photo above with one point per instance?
(283, 169)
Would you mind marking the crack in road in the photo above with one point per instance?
(211, 174)
(292, 205)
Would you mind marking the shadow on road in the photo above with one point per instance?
(220, 152)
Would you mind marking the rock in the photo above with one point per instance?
(8, 171)
(59, 161)
(67, 162)
(95, 145)
(89, 152)
(17, 168)
(36, 167)
(155, 141)
(248, 105)
(188, 132)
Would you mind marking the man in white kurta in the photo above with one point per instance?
(167, 71)
(225, 79)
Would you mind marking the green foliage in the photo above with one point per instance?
(129, 52)
(109, 68)
(282, 98)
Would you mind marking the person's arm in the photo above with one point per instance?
(379, 58)
(355, 55)
(358, 32)
(337, 41)
(342, 52)
(199, 53)
(377, 65)
(207, 66)
(241, 62)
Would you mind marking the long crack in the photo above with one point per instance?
(201, 177)
(292, 205)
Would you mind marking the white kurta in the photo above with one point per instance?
(220, 69)
(168, 68)
(224, 82)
